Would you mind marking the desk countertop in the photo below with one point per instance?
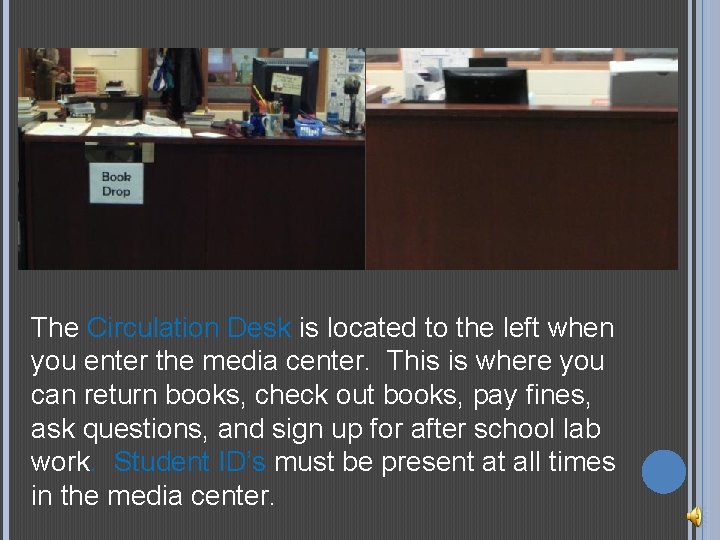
(454, 110)
(284, 140)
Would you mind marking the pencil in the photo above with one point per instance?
(259, 94)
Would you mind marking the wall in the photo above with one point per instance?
(126, 66)
(294, 53)
(569, 87)
(549, 87)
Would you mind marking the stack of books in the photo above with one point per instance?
(85, 79)
(26, 105)
(199, 119)
(27, 111)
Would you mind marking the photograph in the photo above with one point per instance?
(466, 159)
(191, 159)
(507, 159)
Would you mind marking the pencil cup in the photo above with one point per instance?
(273, 124)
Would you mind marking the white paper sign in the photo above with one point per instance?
(117, 183)
(285, 83)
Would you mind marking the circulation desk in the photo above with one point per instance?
(262, 203)
(519, 187)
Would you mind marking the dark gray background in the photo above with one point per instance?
(645, 406)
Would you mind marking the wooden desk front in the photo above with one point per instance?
(518, 187)
(222, 204)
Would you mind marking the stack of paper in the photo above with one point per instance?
(27, 111)
(25, 104)
(60, 128)
(199, 119)
(142, 130)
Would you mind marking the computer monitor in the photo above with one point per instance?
(486, 85)
(296, 94)
(488, 62)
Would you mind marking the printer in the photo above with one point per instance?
(645, 82)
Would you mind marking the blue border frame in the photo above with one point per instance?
(6, 271)
(690, 258)
(706, 263)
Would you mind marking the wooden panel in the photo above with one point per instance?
(442, 111)
(303, 211)
(278, 203)
(522, 191)
(66, 232)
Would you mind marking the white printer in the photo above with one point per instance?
(640, 82)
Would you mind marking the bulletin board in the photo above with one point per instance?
(341, 63)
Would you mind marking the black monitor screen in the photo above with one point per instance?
(267, 77)
(486, 85)
(486, 61)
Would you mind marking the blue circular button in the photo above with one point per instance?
(664, 471)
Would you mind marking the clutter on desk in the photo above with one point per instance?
(133, 122)
(115, 88)
(222, 124)
(29, 112)
(117, 106)
(63, 88)
(77, 119)
(153, 120)
(199, 119)
(273, 124)
(210, 135)
(344, 63)
(275, 107)
(308, 128)
(60, 129)
(142, 130)
(259, 100)
(333, 110)
(238, 129)
(76, 106)
(391, 97)
(352, 89)
(25, 104)
(258, 127)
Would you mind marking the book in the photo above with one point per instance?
(28, 112)
(85, 79)
(200, 119)
(40, 116)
